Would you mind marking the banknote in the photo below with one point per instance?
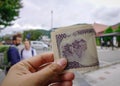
(77, 44)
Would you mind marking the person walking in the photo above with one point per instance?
(27, 51)
(17, 41)
(13, 55)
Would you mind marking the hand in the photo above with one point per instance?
(40, 70)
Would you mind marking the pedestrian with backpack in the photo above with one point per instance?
(13, 55)
(27, 51)
(9, 56)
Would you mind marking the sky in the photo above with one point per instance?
(47, 14)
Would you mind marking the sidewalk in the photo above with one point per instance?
(108, 56)
(108, 76)
(2, 75)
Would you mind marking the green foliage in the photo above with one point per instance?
(6, 38)
(45, 33)
(35, 34)
(108, 30)
(98, 41)
(1, 38)
(4, 50)
(118, 30)
(9, 11)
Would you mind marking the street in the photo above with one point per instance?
(109, 70)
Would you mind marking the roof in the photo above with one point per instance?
(115, 26)
(110, 34)
(99, 27)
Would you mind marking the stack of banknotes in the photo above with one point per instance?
(77, 44)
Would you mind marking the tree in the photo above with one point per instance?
(118, 37)
(9, 11)
(35, 34)
(108, 30)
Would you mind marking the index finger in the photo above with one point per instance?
(41, 59)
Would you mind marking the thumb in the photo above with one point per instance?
(50, 71)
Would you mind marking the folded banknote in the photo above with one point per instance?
(77, 44)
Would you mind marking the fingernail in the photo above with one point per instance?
(62, 62)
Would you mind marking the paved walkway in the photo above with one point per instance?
(2, 75)
(108, 56)
(107, 75)
(104, 77)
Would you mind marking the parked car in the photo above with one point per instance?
(39, 45)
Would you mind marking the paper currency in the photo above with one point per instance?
(77, 44)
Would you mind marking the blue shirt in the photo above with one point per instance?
(13, 55)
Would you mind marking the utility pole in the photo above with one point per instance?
(52, 19)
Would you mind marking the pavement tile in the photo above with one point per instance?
(104, 77)
(101, 78)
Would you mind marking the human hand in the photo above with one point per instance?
(40, 70)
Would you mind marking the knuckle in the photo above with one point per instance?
(54, 68)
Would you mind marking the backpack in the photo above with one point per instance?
(32, 51)
(4, 56)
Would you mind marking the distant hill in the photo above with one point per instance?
(35, 34)
(45, 32)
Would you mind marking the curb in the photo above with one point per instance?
(110, 65)
(102, 67)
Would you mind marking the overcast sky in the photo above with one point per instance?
(37, 13)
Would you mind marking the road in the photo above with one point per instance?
(109, 70)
